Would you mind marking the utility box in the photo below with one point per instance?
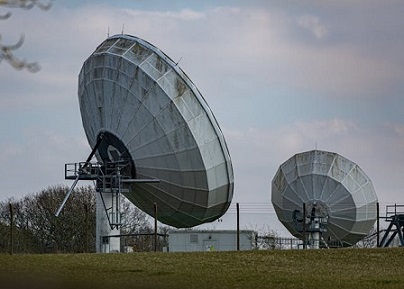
(221, 240)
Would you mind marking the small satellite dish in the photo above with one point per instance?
(138, 106)
(339, 198)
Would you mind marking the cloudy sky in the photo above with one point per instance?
(281, 77)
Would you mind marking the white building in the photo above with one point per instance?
(221, 240)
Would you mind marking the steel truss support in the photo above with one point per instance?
(394, 229)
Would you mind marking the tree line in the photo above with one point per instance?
(36, 229)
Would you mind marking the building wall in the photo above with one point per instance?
(192, 241)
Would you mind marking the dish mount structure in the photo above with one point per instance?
(155, 139)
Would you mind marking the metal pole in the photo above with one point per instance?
(67, 195)
(90, 156)
(377, 224)
(78, 175)
(86, 228)
(238, 226)
(155, 227)
(304, 225)
(11, 228)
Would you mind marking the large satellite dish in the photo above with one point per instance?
(137, 105)
(334, 190)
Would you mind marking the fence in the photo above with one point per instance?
(258, 217)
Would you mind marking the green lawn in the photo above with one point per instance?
(338, 268)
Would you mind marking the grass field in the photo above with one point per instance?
(342, 268)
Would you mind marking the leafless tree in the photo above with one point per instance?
(370, 241)
(7, 50)
(265, 238)
(134, 220)
(73, 230)
(38, 230)
(136, 229)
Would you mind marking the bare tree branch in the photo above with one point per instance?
(6, 51)
(26, 4)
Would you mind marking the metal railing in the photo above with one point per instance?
(82, 170)
(394, 210)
